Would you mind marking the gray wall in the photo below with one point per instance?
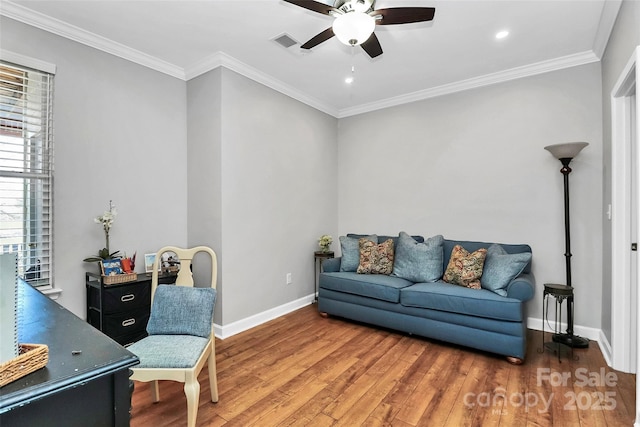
(120, 134)
(278, 195)
(623, 41)
(471, 166)
(204, 224)
(262, 178)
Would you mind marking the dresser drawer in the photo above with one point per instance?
(125, 298)
(126, 340)
(131, 322)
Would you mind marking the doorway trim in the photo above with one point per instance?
(623, 345)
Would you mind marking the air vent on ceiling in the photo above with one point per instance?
(290, 44)
(285, 40)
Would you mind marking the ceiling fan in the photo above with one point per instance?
(355, 21)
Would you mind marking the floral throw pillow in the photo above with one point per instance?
(375, 258)
(465, 269)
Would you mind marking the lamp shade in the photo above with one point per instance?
(353, 28)
(568, 150)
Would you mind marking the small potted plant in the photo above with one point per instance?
(325, 242)
(106, 220)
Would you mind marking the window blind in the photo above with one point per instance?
(26, 170)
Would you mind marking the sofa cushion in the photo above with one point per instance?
(500, 268)
(375, 259)
(378, 286)
(464, 268)
(457, 299)
(351, 251)
(418, 262)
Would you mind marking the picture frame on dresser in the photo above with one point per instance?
(149, 259)
(111, 267)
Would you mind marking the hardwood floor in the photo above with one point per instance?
(304, 370)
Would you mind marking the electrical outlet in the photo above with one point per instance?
(289, 280)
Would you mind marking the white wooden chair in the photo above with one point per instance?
(180, 331)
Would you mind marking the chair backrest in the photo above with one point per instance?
(179, 323)
(185, 275)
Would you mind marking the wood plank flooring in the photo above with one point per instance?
(304, 370)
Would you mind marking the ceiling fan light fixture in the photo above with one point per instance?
(354, 28)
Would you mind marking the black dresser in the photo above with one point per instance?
(121, 310)
(86, 380)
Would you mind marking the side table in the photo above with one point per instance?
(318, 258)
(560, 293)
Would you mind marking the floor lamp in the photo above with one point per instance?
(565, 153)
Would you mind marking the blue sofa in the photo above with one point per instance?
(476, 318)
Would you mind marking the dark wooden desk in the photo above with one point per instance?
(87, 389)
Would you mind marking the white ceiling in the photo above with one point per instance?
(456, 51)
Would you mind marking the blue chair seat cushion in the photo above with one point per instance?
(168, 351)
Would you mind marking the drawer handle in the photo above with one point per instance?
(128, 322)
(127, 298)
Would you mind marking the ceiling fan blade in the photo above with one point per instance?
(372, 46)
(319, 38)
(312, 5)
(404, 15)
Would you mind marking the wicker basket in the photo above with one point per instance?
(31, 358)
(119, 278)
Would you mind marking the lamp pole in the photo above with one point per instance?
(566, 170)
(565, 153)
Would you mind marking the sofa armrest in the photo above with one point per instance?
(331, 265)
(522, 287)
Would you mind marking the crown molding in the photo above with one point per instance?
(71, 32)
(221, 59)
(607, 21)
(476, 82)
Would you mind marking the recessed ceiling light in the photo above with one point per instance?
(349, 80)
(502, 34)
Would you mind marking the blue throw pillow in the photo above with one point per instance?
(350, 249)
(182, 310)
(419, 262)
(501, 267)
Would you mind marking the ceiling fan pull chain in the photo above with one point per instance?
(350, 79)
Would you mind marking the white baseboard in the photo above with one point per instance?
(605, 348)
(592, 334)
(231, 329)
